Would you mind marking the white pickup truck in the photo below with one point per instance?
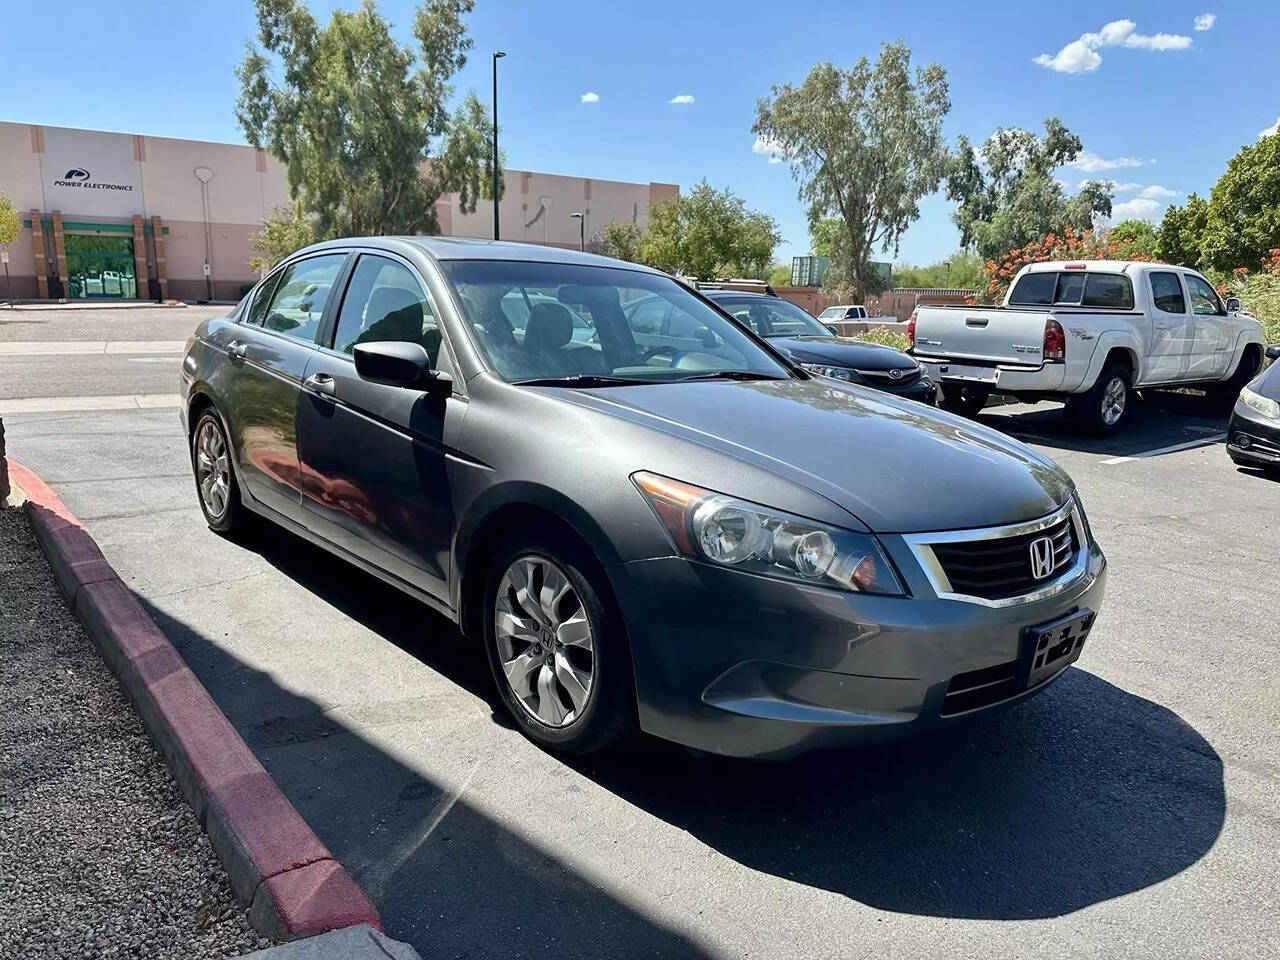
(1089, 334)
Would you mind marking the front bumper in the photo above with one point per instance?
(922, 390)
(742, 665)
(1252, 439)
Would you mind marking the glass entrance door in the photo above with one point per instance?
(100, 267)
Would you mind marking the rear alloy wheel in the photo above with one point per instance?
(1104, 407)
(215, 481)
(560, 662)
(964, 399)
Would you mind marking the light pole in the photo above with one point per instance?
(582, 229)
(497, 55)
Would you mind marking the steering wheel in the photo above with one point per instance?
(661, 349)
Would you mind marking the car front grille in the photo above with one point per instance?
(998, 568)
(883, 380)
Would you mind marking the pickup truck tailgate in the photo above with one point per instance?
(984, 334)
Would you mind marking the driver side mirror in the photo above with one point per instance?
(1234, 305)
(398, 363)
(1273, 351)
(832, 327)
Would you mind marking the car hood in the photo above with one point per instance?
(897, 466)
(844, 353)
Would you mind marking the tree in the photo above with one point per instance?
(621, 240)
(289, 228)
(864, 146)
(1008, 196)
(960, 271)
(709, 233)
(1243, 222)
(1133, 239)
(352, 115)
(1181, 231)
(9, 221)
(780, 275)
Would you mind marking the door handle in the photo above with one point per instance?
(975, 321)
(320, 383)
(237, 349)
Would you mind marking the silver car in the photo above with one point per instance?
(700, 541)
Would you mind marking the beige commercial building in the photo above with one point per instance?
(118, 215)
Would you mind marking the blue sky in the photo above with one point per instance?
(1171, 101)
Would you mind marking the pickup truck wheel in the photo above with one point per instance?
(1222, 396)
(1105, 406)
(964, 399)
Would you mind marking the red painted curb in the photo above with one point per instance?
(277, 866)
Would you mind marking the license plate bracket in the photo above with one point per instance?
(1046, 648)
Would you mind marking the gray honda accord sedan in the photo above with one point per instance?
(691, 535)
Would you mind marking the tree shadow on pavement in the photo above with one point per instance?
(1081, 795)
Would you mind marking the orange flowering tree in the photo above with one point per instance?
(1067, 245)
(1259, 290)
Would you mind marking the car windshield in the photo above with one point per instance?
(833, 312)
(590, 326)
(772, 317)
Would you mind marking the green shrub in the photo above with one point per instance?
(883, 335)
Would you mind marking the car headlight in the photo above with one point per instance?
(1264, 405)
(836, 373)
(1084, 517)
(722, 530)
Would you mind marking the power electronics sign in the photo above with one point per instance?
(91, 174)
(78, 178)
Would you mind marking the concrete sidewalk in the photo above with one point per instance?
(352, 943)
(32, 348)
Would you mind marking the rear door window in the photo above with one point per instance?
(1110, 290)
(301, 295)
(1166, 293)
(261, 297)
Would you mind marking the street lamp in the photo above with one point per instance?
(582, 229)
(497, 55)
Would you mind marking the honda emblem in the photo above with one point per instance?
(1041, 550)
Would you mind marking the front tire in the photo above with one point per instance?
(1222, 396)
(216, 485)
(964, 399)
(558, 652)
(1105, 406)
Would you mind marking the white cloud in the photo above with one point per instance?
(1205, 22)
(1090, 162)
(1273, 129)
(767, 148)
(1081, 56)
(1141, 192)
(682, 98)
(1157, 192)
(589, 97)
(1139, 208)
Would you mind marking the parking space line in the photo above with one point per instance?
(128, 401)
(1173, 448)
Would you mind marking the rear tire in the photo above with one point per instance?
(964, 399)
(1105, 406)
(550, 634)
(216, 486)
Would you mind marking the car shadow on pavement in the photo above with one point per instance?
(1078, 796)
(1081, 795)
(1158, 419)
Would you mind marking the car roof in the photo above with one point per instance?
(716, 294)
(466, 248)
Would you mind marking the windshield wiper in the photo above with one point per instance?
(729, 375)
(581, 380)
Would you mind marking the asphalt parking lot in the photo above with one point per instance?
(1133, 810)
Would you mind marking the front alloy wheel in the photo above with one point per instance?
(544, 640)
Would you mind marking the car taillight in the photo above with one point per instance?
(1055, 341)
(911, 328)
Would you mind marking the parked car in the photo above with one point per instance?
(1089, 334)
(1253, 433)
(843, 311)
(710, 544)
(815, 347)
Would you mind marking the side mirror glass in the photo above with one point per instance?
(707, 337)
(1234, 305)
(398, 363)
(1273, 351)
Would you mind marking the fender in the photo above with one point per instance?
(1125, 340)
(1243, 339)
